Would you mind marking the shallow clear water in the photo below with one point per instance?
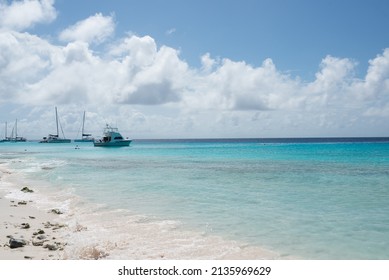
(298, 198)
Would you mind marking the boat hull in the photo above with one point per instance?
(56, 141)
(124, 143)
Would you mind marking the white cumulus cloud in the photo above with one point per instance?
(151, 89)
(21, 15)
(95, 29)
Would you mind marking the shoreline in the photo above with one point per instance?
(27, 232)
(82, 233)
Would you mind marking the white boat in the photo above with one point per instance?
(54, 138)
(85, 137)
(15, 133)
(112, 138)
(6, 138)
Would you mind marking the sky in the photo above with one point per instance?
(196, 69)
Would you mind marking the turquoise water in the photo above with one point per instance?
(297, 198)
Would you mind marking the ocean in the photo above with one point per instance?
(324, 198)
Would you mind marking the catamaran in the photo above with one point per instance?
(85, 137)
(6, 138)
(54, 138)
(14, 134)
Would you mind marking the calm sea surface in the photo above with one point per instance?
(294, 198)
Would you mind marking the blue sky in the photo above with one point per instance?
(171, 68)
(295, 34)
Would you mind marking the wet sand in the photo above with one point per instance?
(37, 232)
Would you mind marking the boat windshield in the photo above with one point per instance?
(109, 128)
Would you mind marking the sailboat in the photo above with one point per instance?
(85, 137)
(15, 132)
(54, 138)
(6, 138)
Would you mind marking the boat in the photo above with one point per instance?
(15, 132)
(112, 138)
(54, 138)
(6, 138)
(85, 137)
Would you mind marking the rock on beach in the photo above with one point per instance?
(16, 243)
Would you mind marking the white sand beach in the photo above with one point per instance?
(27, 232)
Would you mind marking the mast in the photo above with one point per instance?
(56, 120)
(83, 122)
(5, 130)
(16, 128)
(12, 133)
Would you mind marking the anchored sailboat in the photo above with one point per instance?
(54, 138)
(6, 138)
(14, 134)
(85, 137)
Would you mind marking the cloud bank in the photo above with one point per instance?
(158, 93)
